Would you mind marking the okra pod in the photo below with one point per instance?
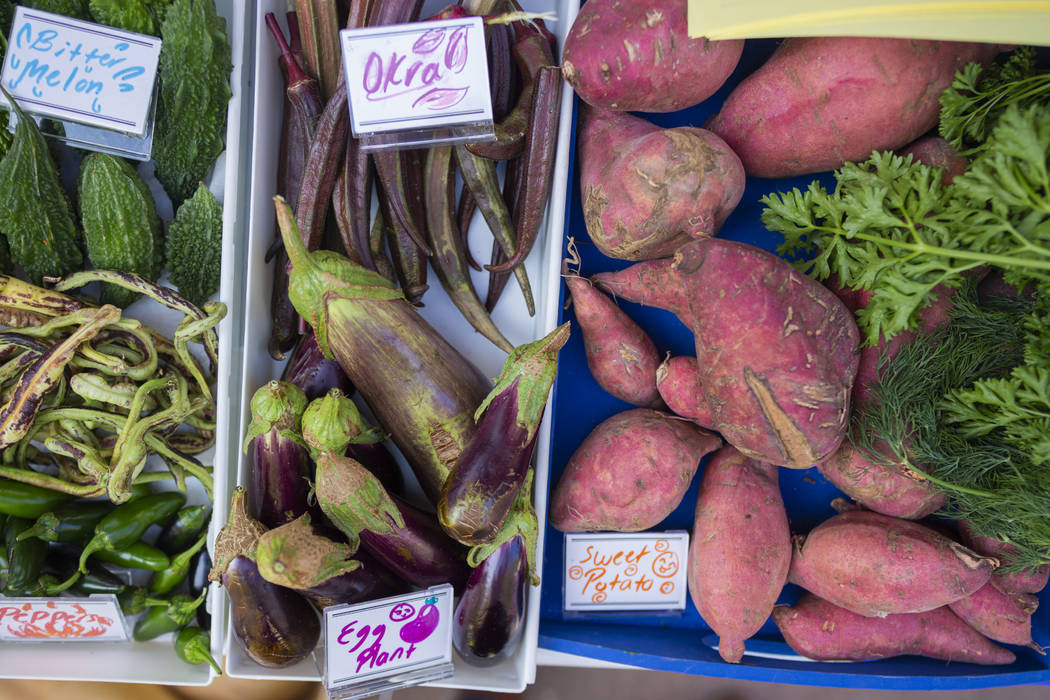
(409, 262)
(465, 211)
(322, 168)
(511, 195)
(352, 201)
(541, 141)
(449, 258)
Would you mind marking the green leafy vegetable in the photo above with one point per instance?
(195, 65)
(976, 99)
(891, 227)
(35, 214)
(194, 246)
(69, 8)
(131, 15)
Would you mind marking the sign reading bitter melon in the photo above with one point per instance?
(80, 72)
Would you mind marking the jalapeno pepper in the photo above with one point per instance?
(193, 645)
(170, 578)
(174, 616)
(137, 555)
(26, 500)
(25, 559)
(69, 522)
(3, 547)
(135, 601)
(99, 580)
(184, 528)
(198, 583)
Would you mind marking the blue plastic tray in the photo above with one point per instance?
(685, 644)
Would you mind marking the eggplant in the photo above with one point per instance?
(488, 476)
(405, 539)
(332, 422)
(422, 390)
(377, 459)
(275, 626)
(279, 460)
(314, 373)
(311, 559)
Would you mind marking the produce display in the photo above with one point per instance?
(379, 457)
(862, 315)
(110, 344)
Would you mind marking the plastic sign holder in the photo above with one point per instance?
(387, 644)
(98, 82)
(96, 618)
(625, 571)
(419, 84)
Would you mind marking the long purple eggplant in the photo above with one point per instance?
(275, 626)
(301, 555)
(406, 540)
(422, 390)
(279, 459)
(485, 482)
(314, 373)
(489, 618)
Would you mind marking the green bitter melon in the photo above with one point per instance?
(195, 65)
(194, 246)
(131, 15)
(122, 230)
(69, 8)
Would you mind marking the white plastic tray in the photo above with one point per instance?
(510, 316)
(155, 661)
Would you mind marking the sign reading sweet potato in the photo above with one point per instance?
(625, 571)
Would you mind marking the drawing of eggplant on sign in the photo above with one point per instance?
(441, 98)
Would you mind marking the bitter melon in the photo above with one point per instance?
(34, 212)
(69, 8)
(195, 65)
(131, 15)
(122, 230)
(194, 246)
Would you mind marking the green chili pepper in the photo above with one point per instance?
(137, 555)
(160, 620)
(26, 500)
(169, 579)
(69, 522)
(25, 558)
(99, 580)
(135, 601)
(183, 529)
(4, 561)
(193, 645)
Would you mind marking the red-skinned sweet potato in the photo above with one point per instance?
(649, 282)
(820, 630)
(999, 616)
(620, 354)
(881, 487)
(638, 56)
(776, 351)
(678, 381)
(1024, 581)
(740, 550)
(875, 565)
(630, 472)
(646, 190)
(819, 102)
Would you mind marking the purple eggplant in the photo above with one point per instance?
(314, 373)
(275, 626)
(378, 460)
(406, 540)
(486, 479)
(279, 468)
(311, 559)
(490, 616)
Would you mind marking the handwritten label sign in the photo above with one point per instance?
(95, 619)
(81, 72)
(416, 76)
(625, 571)
(371, 642)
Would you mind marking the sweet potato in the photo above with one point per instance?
(883, 488)
(620, 354)
(740, 550)
(646, 190)
(630, 472)
(678, 381)
(776, 351)
(820, 630)
(999, 616)
(875, 565)
(637, 56)
(936, 152)
(649, 282)
(1024, 581)
(819, 102)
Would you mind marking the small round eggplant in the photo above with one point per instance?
(314, 373)
(279, 460)
(489, 618)
(378, 460)
(275, 626)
